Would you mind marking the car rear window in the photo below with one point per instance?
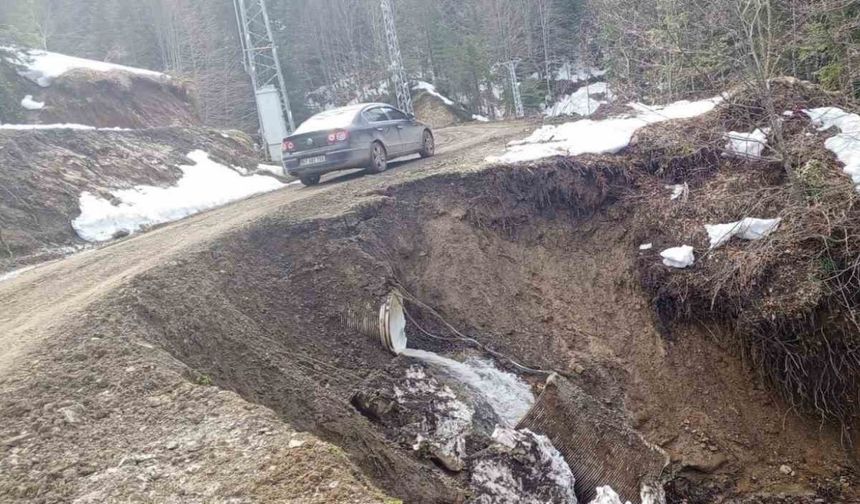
(395, 114)
(328, 120)
(376, 115)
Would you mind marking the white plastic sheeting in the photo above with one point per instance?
(746, 229)
(747, 145)
(679, 257)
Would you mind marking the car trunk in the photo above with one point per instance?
(309, 141)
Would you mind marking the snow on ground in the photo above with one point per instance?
(277, 170)
(204, 185)
(606, 495)
(42, 67)
(480, 118)
(679, 191)
(746, 229)
(584, 102)
(846, 144)
(747, 145)
(430, 88)
(30, 104)
(577, 72)
(606, 136)
(13, 274)
(63, 126)
(679, 257)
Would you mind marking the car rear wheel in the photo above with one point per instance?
(310, 180)
(378, 159)
(428, 147)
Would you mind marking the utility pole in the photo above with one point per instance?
(515, 87)
(262, 64)
(401, 85)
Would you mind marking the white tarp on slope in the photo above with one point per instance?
(846, 144)
(42, 67)
(746, 229)
(747, 145)
(204, 185)
(596, 137)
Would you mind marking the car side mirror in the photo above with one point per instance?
(411, 116)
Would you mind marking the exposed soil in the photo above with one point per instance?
(433, 111)
(43, 173)
(539, 262)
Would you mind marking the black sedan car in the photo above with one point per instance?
(358, 136)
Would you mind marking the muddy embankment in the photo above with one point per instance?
(44, 173)
(540, 263)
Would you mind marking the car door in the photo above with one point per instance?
(385, 129)
(411, 133)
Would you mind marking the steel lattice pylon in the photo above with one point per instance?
(261, 55)
(515, 88)
(401, 85)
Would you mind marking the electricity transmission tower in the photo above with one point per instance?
(401, 85)
(515, 87)
(262, 64)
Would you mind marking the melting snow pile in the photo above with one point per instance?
(30, 104)
(746, 229)
(747, 145)
(596, 137)
(584, 102)
(42, 67)
(204, 185)
(522, 467)
(450, 417)
(846, 144)
(679, 257)
(431, 89)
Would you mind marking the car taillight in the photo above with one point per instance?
(338, 136)
(288, 146)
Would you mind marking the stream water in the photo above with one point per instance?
(510, 397)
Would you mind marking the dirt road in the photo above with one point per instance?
(40, 300)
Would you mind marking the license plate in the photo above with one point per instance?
(312, 160)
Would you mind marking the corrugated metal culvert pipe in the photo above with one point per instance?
(387, 322)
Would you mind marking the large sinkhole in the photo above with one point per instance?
(524, 275)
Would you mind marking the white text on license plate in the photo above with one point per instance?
(312, 160)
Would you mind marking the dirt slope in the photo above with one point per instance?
(43, 173)
(127, 397)
(540, 262)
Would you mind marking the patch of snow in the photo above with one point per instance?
(62, 126)
(480, 118)
(42, 67)
(15, 273)
(584, 102)
(204, 185)
(747, 145)
(508, 396)
(276, 170)
(646, 246)
(679, 257)
(430, 88)
(597, 137)
(746, 229)
(30, 104)
(451, 418)
(606, 495)
(534, 472)
(577, 72)
(846, 144)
